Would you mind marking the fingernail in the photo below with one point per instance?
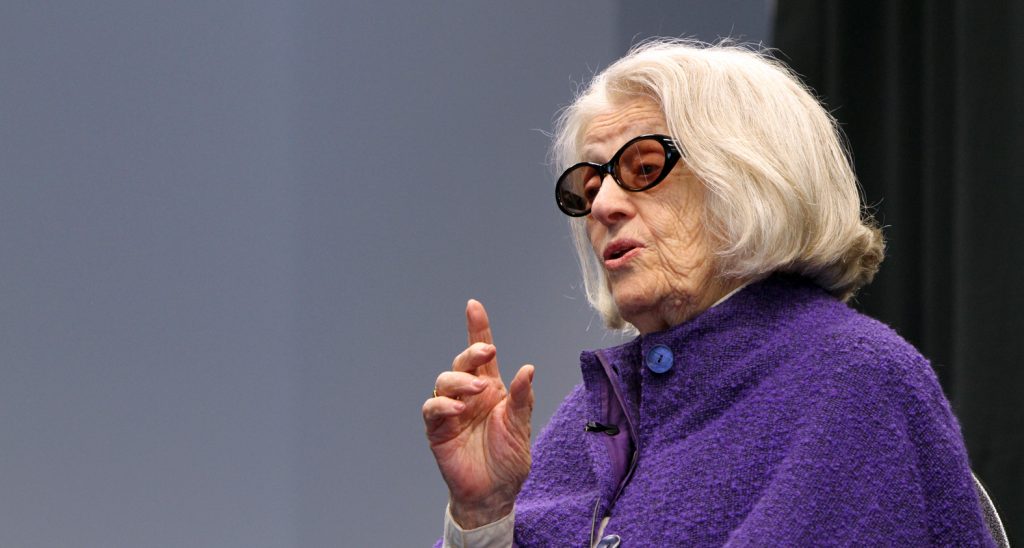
(479, 383)
(459, 406)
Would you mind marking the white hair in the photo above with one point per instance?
(781, 192)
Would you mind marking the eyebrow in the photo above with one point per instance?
(637, 129)
(587, 155)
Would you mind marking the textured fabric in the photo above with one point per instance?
(786, 419)
(501, 535)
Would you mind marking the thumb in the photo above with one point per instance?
(520, 398)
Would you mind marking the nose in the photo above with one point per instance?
(612, 204)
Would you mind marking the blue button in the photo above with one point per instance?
(610, 541)
(659, 359)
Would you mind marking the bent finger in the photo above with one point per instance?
(475, 357)
(437, 410)
(458, 383)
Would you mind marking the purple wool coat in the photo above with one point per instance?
(785, 418)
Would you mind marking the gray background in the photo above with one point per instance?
(237, 239)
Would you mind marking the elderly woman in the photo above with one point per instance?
(715, 213)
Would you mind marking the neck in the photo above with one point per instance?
(679, 309)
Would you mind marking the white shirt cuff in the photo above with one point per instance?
(497, 534)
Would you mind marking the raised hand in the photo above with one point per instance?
(478, 431)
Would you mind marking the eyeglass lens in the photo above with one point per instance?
(637, 166)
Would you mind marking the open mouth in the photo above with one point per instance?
(618, 253)
(619, 249)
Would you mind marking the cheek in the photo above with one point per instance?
(596, 234)
(677, 229)
(681, 240)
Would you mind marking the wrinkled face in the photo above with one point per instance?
(652, 244)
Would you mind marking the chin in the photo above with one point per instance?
(631, 303)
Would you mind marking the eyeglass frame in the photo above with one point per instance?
(672, 156)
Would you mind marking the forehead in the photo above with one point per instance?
(610, 129)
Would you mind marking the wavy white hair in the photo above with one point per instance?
(781, 192)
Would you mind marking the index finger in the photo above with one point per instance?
(478, 326)
(478, 329)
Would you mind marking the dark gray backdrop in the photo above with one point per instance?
(237, 240)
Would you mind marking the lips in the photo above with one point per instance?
(620, 251)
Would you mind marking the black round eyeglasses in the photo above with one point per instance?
(640, 164)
